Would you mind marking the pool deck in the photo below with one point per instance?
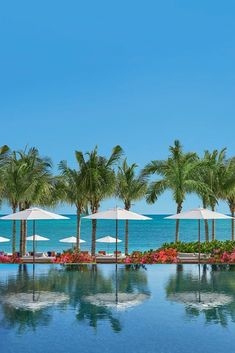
(182, 258)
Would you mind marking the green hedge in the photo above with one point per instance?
(206, 247)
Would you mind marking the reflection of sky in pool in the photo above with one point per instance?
(159, 308)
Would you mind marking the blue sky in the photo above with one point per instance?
(140, 74)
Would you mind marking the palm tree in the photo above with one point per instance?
(74, 193)
(98, 179)
(177, 174)
(206, 196)
(130, 187)
(12, 188)
(227, 188)
(28, 181)
(231, 204)
(4, 151)
(211, 171)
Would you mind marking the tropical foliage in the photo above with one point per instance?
(26, 179)
(73, 192)
(178, 174)
(98, 179)
(205, 247)
(130, 187)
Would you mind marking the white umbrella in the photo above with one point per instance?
(201, 301)
(37, 237)
(118, 214)
(4, 240)
(71, 240)
(27, 300)
(199, 213)
(33, 214)
(109, 300)
(108, 240)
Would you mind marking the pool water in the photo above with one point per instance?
(101, 308)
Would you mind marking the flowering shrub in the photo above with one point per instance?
(5, 259)
(73, 258)
(166, 256)
(228, 258)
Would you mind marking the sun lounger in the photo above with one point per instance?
(102, 253)
(109, 258)
(192, 257)
(40, 257)
(85, 252)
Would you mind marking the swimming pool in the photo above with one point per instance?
(94, 308)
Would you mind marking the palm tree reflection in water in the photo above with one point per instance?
(74, 284)
(204, 289)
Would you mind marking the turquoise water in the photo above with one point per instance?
(144, 235)
(96, 309)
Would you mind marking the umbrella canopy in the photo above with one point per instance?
(120, 301)
(119, 214)
(26, 300)
(201, 301)
(199, 213)
(33, 214)
(37, 237)
(71, 240)
(108, 239)
(4, 240)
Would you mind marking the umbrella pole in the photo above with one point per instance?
(199, 241)
(199, 284)
(199, 258)
(116, 239)
(116, 284)
(116, 275)
(33, 282)
(34, 247)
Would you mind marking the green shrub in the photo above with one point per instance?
(206, 247)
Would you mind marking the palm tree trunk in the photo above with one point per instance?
(126, 237)
(232, 220)
(93, 240)
(24, 237)
(13, 232)
(206, 224)
(78, 229)
(21, 232)
(213, 226)
(21, 237)
(206, 230)
(179, 209)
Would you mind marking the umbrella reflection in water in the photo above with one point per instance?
(35, 299)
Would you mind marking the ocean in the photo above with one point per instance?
(143, 235)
